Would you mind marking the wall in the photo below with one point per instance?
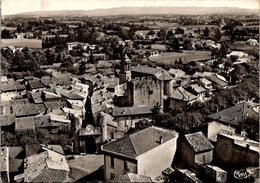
(204, 156)
(147, 91)
(216, 176)
(119, 166)
(153, 162)
(186, 155)
(214, 127)
(125, 122)
(229, 154)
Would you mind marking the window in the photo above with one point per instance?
(112, 176)
(112, 162)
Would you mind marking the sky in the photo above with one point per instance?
(9, 7)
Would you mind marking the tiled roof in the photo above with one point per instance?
(177, 72)
(8, 87)
(146, 70)
(130, 111)
(132, 177)
(216, 80)
(42, 121)
(14, 161)
(35, 84)
(48, 160)
(181, 94)
(197, 89)
(21, 110)
(40, 107)
(72, 96)
(139, 142)
(47, 80)
(165, 76)
(4, 159)
(26, 123)
(205, 81)
(235, 114)
(199, 142)
(52, 105)
(37, 97)
(7, 120)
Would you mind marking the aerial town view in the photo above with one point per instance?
(130, 91)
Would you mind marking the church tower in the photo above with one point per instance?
(125, 73)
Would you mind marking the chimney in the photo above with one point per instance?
(161, 139)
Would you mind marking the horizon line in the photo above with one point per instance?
(130, 7)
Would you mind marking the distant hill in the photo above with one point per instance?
(152, 10)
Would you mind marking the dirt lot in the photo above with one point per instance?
(170, 57)
(86, 168)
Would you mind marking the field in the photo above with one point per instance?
(30, 43)
(170, 57)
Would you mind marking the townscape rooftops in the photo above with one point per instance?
(140, 142)
(198, 89)
(72, 95)
(181, 94)
(35, 165)
(146, 70)
(26, 123)
(234, 115)
(240, 141)
(177, 72)
(35, 84)
(205, 81)
(7, 120)
(12, 87)
(216, 80)
(129, 111)
(4, 159)
(199, 142)
(14, 161)
(21, 110)
(132, 177)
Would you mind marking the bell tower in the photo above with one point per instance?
(125, 73)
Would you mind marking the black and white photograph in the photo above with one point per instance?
(129, 91)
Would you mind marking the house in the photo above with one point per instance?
(24, 110)
(7, 122)
(234, 115)
(194, 149)
(34, 85)
(252, 42)
(11, 162)
(134, 152)
(24, 124)
(126, 117)
(197, 91)
(206, 83)
(177, 73)
(181, 97)
(217, 82)
(237, 54)
(235, 151)
(47, 166)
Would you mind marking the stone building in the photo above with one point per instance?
(194, 149)
(145, 91)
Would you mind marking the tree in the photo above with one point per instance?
(217, 35)
(206, 32)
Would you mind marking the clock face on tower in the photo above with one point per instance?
(89, 128)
